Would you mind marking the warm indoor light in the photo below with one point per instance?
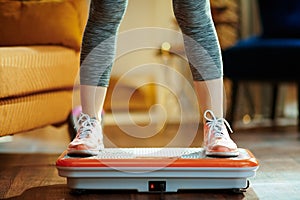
(246, 119)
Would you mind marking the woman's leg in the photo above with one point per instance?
(204, 55)
(203, 51)
(97, 57)
(98, 52)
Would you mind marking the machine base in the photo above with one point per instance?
(157, 170)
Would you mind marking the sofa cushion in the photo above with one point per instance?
(29, 112)
(42, 22)
(31, 69)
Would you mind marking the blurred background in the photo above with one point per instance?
(234, 20)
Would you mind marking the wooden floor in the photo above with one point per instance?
(34, 176)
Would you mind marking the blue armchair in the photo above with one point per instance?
(272, 56)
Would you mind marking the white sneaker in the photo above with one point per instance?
(216, 138)
(89, 138)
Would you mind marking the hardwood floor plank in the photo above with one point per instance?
(23, 171)
(7, 177)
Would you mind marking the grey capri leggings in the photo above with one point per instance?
(195, 21)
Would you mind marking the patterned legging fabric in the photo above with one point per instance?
(99, 41)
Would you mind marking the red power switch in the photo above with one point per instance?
(157, 186)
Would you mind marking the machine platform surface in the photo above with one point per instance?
(143, 168)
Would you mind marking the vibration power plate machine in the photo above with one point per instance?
(157, 170)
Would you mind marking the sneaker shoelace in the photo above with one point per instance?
(85, 125)
(215, 124)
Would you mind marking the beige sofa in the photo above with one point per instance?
(39, 59)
